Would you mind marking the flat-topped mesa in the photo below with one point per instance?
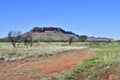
(43, 29)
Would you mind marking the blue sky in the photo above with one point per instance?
(99, 18)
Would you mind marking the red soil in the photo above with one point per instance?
(42, 67)
(105, 76)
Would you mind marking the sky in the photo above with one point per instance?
(99, 18)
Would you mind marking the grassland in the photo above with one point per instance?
(8, 52)
(104, 66)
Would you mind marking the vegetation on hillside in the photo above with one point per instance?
(82, 38)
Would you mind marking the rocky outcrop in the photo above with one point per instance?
(50, 33)
(43, 29)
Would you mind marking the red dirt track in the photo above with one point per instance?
(43, 68)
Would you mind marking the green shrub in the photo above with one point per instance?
(106, 60)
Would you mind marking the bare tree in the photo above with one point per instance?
(31, 42)
(70, 40)
(14, 37)
(49, 40)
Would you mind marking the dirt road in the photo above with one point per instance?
(43, 68)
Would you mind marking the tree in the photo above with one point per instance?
(70, 40)
(82, 38)
(14, 37)
(111, 40)
(28, 39)
(49, 40)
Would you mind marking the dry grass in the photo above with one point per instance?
(8, 52)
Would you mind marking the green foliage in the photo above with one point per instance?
(2, 58)
(82, 38)
(106, 60)
(111, 40)
(5, 40)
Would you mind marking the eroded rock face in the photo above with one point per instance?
(43, 29)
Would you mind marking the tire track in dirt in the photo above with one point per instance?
(41, 68)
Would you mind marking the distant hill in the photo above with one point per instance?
(99, 39)
(50, 33)
(54, 34)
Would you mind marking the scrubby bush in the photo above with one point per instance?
(82, 38)
(111, 40)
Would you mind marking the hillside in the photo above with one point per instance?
(50, 33)
(54, 34)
